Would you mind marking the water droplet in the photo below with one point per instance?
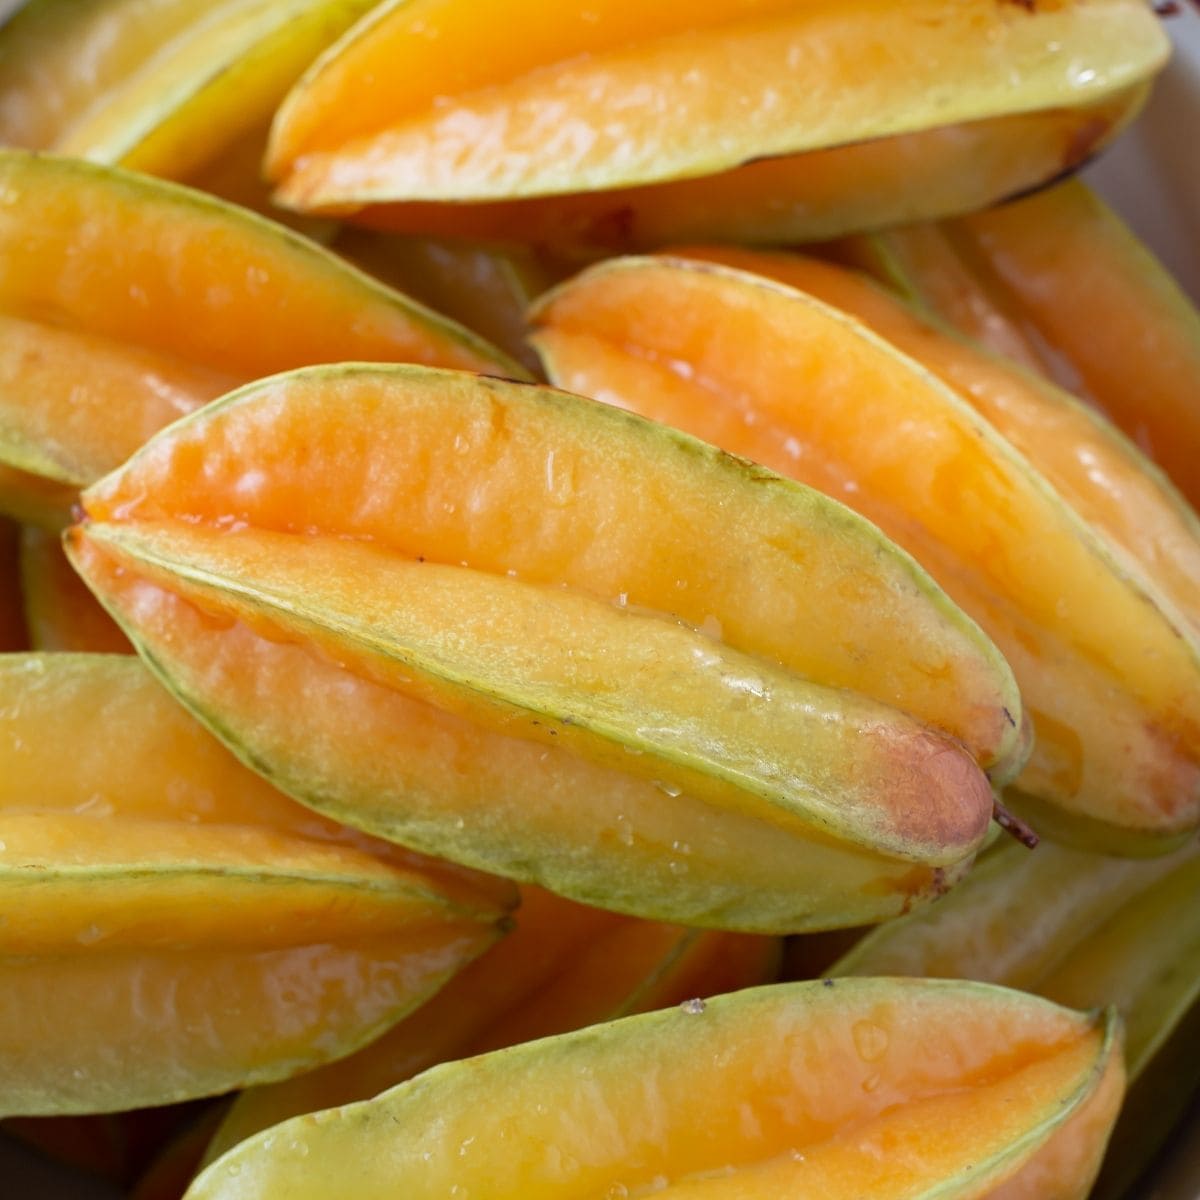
(560, 480)
(464, 1146)
(872, 1082)
(870, 1040)
(89, 936)
(616, 1191)
(461, 445)
(677, 868)
(300, 1149)
(668, 789)
(460, 823)
(711, 627)
(796, 1156)
(693, 1007)
(681, 847)
(659, 1183)
(234, 1169)
(624, 830)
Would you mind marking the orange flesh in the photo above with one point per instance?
(125, 304)
(83, 403)
(619, 687)
(75, 882)
(454, 47)
(62, 614)
(696, 90)
(1128, 337)
(564, 966)
(875, 1088)
(1103, 478)
(429, 768)
(225, 293)
(170, 772)
(705, 351)
(110, 1030)
(1067, 1165)
(933, 272)
(794, 197)
(514, 481)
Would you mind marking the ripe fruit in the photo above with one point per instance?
(546, 638)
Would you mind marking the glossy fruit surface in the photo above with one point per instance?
(886, 1088)
(133, 972)
(632, 612)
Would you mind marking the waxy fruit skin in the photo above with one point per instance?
(882, 1087)
(126, 302)
(1107, 660)
(165, 88)
(563, 966)
(474, 101)
(176, 928)
(549, 639)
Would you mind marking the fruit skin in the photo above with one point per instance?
(1082, 930)
(481, 730)
(126, 302)
(564, 966)
(131, 975)
(975, 1084)
(1099, 472)
(807, 197)
(166, 89)
(717, 85)
(1059, 274)
(770, 373)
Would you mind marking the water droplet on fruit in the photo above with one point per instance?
(871, 1040)
(560, 480)
(871, 1082)
(89, 936)
(624, 830)
(693, 1007)
(668, 789)
(616, 1191)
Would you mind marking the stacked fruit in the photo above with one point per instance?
(471, 717)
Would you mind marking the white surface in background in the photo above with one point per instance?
(1152, 174)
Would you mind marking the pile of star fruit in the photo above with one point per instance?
(527, 524)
